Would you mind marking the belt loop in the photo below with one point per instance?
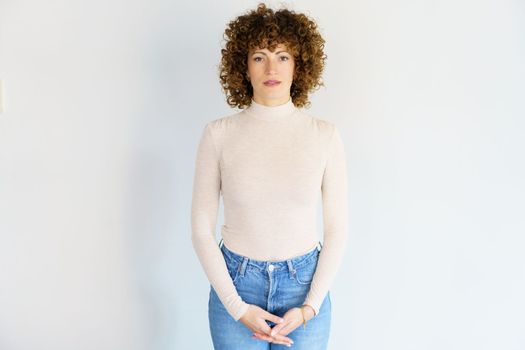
(321, 246)
(220, 243)
(243, 266)
(291, 268)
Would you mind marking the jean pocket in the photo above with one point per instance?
(305, 273)
(234, 268)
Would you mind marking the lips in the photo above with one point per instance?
(272, 82)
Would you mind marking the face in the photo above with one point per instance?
(271, 75)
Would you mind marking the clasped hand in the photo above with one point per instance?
(254, 318)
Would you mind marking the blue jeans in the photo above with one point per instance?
(275, 289)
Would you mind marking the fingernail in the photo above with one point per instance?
(272, 333)
(281, 320)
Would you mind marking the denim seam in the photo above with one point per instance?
(242, 268)
(291, 269)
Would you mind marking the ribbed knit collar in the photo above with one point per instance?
(280, 112)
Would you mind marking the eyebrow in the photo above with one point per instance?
(265, 53)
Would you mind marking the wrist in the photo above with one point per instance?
(309, 312)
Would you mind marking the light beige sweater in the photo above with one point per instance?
(270, 164)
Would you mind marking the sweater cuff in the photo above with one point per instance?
(314, 304)
(239, 312)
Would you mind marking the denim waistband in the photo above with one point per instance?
(296, 262)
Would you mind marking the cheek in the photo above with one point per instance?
(249, 65)
(291, 72)
(253, 70)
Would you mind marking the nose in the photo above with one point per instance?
(270, 66)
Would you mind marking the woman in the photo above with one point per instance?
(269, 161)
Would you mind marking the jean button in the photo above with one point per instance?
(271, 268)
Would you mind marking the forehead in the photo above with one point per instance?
(279, 47)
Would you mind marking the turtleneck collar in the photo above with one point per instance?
(271, 113)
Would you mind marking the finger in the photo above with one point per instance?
(257, 337)
(264, 328)
(283, 328)
(282, 343)
(288, 328)
(277, 337)
(277, 329)
(271, 317)
(281, 339)
(263, 337)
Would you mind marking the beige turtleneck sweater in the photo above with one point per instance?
(270, 163)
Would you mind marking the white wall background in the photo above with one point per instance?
(104, 104)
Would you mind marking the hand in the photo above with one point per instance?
(254, 318)
(293, 318)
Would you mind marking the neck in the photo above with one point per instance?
(267, 101)
(271, 113)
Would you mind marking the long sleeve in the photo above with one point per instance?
(335, 222)
(204, 210)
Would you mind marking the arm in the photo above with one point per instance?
(335, 222)
(204, 209)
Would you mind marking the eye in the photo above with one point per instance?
(285, 58)
(256, 59)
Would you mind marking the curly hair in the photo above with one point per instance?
(266, 28)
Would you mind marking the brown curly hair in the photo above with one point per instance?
(266, 28)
